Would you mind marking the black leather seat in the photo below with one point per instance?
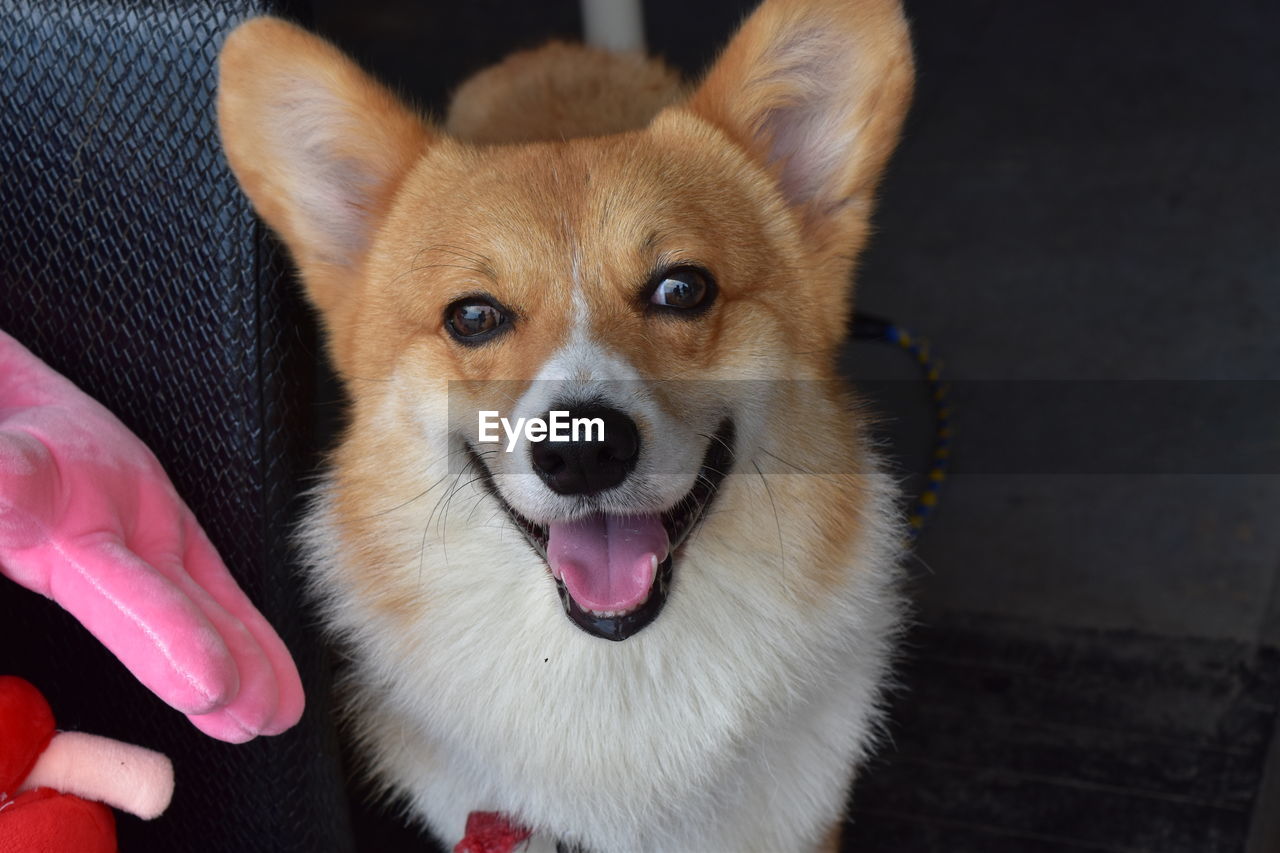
(130, 262)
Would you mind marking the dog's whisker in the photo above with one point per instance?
(733, 454)
(789, 463)
(403, 504)
(442, 526)
(422, 552)
(782, 556)
(421, 494)
(440, 501)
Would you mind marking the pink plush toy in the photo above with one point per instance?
(89, 519)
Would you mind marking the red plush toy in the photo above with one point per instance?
(53, 784)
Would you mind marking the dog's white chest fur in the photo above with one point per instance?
(732, 723)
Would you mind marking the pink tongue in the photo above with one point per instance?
(607, 561)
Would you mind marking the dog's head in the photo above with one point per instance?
(620, 280)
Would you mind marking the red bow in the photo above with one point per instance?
(491, 832)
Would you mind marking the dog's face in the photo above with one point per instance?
(631, 281)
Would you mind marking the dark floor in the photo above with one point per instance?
(1084, 218)
(1014, 735)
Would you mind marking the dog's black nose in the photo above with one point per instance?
(594, 461)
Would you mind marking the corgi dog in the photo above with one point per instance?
(669, 634)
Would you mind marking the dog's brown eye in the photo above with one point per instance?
(684, 289)
(474, 319)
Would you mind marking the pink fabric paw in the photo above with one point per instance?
(89, 518)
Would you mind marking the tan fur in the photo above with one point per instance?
(881, 70)
(562, 180)
(831, 844)
(561, 91)
(268, 69)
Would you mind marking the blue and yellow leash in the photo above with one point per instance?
(868, 327)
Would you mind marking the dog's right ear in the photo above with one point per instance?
(816, 91)
(318, 146)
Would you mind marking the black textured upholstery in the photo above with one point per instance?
(130, 262)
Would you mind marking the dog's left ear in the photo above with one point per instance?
(317, 144)
(816, 90)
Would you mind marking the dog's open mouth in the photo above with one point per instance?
(614, 572)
